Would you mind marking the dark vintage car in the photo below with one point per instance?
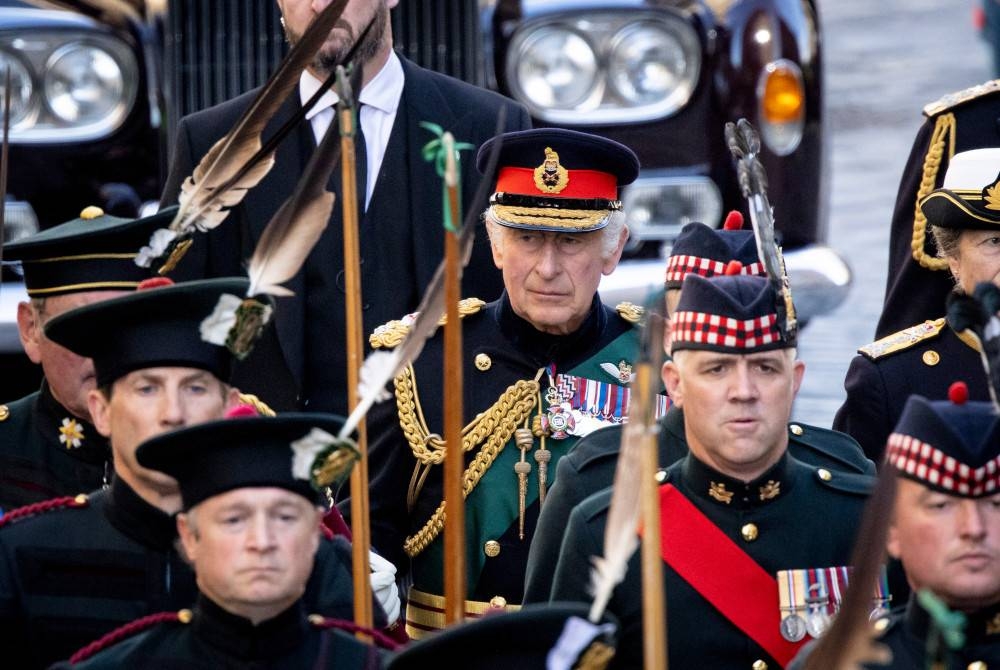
(662, 76)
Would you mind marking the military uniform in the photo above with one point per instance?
(509, 372)
(918, 282)
(772, 531)
(211, 638)
(75, 572)
(927, 358)
(590, 467)
(46, 452)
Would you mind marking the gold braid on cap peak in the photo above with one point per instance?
(492, 429)
(944, 132)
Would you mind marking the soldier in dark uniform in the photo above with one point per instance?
(945, 528)
(250, 526)
(918, 279)
(544, 364)
(590, 466)
(928, 356)
(48, 446)
(525, 640)
(72, 569)
(742, 519)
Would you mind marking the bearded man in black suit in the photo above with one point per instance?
(302, 362)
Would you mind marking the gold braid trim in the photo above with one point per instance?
(492, 428)
(944, 132)
(262, 407)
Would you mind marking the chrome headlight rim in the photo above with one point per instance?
(600, 29)
(685, 39)
(93, 52)
(30, 108)
(44, 127)
(523, 43)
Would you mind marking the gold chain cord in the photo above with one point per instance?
(944, 131)
(493, 428)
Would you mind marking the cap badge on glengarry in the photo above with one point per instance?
(550, 176)
(991, 194)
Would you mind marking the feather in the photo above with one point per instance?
(377, 370)
(199, 202)
(744, 144)
(850, 643)
(621, 534)
(977, 316)
(296, 227)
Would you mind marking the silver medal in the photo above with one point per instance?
(793, 628)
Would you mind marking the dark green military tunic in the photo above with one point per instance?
(590, 467)
(503, 356)
(214, 639)
(906, 632)
(810, 523)
(47, 452)
(924, 359)
(71, 574)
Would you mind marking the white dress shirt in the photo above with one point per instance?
(379, 100)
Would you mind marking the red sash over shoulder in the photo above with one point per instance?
(722, 573)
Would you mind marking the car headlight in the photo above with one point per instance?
(70, 85)
(20, 87)
(83, 84)
(650, 63)
(557, 68)
(602, 67)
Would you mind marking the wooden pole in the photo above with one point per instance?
(454, 460)
(360, 531)
(654, 602)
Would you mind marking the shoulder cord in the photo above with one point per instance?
(944, 131)
(492, 428)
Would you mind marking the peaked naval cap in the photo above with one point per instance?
(970, 195)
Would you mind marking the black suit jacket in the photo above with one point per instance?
(301, 362)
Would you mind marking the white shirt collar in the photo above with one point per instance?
(383, 92)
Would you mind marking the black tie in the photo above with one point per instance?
(361, 164)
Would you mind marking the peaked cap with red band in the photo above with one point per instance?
(732, 314)
(951, 447)
(157, 327)
(704, 251)
(558, 180)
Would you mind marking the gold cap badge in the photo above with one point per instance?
(550, 176)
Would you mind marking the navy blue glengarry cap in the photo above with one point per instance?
(155, 327)
(558, 180)
(952, 447)
(536, 636)
(704, 251)
(95, 252)
(969, 197)
(730, 313)
(297, 452)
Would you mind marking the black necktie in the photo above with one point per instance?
(361, 164)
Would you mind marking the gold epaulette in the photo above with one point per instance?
(903, 340)
(630, 311)
(389, 335)
(952, 100)
(262, 407)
